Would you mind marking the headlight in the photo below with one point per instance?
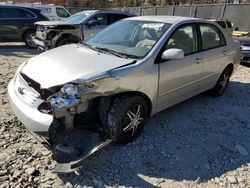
(66, 98)
(70, 89)
(64, 101)
(70, 95)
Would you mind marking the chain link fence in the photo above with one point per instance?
(238, 14)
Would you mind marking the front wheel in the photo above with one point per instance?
(222, 83)
(28, 39)
(125, 119)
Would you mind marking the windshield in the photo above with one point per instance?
(129, 37)
(77, 18)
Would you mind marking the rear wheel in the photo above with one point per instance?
(28, 39)
(222, 82)
(125, 119)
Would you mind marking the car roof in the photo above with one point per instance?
(14, 6)
(164, 19)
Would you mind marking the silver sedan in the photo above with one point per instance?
(131, 70)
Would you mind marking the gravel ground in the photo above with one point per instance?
(202, 142)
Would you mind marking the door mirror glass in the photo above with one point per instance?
(172, 54)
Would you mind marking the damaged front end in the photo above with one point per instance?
(69, 113)
(49, 36)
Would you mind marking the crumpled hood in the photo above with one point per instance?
(68, 63)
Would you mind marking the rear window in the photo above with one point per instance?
(221, 23)
(15, 13)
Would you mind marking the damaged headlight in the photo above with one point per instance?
(66, 98)
(70, 89)
(70, 95)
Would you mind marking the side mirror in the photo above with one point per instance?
(172, 54)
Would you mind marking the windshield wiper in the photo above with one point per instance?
(131, 56)
(88, 45)
(111, 52)
(99, 49)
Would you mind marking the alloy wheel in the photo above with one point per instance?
(132, 120)
(30, 41)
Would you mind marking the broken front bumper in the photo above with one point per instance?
(42, 44)
(71, 150)
(26, 110)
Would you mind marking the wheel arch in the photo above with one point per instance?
(231, 67)
(67, 35)
(141, 94)
(26, 31)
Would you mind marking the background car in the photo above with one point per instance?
(245, 48)
(17, 24)
(76, 28)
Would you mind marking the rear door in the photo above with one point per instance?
(215, 53)
(179, 79)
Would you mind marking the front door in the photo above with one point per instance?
(94, 25)
(179, 79)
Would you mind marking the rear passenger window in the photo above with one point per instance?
(211, 37)
(183, 38)
(10, 13)
(6, 13)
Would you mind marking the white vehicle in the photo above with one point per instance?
(51, 11)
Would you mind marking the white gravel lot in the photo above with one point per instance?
(202, 142)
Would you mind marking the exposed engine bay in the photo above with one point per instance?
(53, 34)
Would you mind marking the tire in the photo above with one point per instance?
(222, 83)
(125, 118)
(66, 41)
(27, 39)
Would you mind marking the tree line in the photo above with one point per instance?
(137, 3)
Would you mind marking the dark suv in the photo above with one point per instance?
(17, 24)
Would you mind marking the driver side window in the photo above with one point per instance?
(100, 19)
(184, 38)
